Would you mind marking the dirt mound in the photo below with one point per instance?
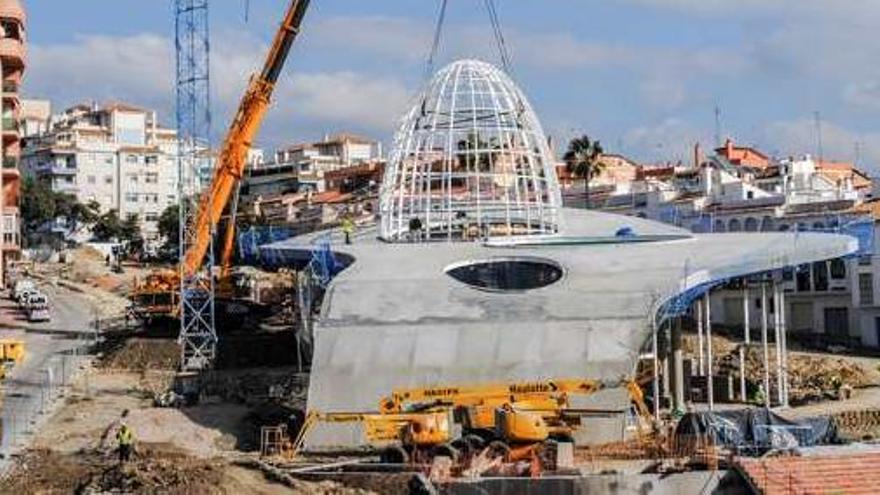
(155, 468)
(811, 377)
(142, 354)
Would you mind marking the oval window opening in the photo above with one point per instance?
(507, 274)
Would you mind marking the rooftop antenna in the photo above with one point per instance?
(818, 119)
(718, 126)
(247, 10)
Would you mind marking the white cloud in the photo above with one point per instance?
(139, 69)
(672, 138)
(103, 67)
(866, 94)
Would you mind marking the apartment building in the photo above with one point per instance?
(117, 155)
(12, 67)
(740, 189)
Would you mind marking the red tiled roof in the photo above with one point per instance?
(850, 474)
(330, 197)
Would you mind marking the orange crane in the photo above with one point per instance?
(157, 295)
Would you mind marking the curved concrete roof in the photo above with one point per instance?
(395, 318)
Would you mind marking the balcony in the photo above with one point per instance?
(10, 125)
(12, 51)
(10, 166)
(10, 87)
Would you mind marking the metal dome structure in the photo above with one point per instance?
(470, 161)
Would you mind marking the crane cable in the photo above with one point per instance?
(503, 52)
(435, 45)
(497, 32)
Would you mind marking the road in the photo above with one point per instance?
(55, 350)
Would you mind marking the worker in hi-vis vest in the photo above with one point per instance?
(125, 438)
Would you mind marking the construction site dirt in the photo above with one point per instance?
(209, 447)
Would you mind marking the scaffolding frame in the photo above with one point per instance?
(198, 335)
(470, 160)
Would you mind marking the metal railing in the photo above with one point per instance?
(10, 87)
(10, 162)
(24, 411)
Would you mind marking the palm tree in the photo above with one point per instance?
(582, 160)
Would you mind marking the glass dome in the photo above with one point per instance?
(470, 161)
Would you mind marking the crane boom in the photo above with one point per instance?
(245, 125)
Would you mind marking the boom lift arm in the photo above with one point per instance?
(233, 155)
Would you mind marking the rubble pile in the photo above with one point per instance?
(142, 355)
(152, 470)
(254, 387)
(155, 468)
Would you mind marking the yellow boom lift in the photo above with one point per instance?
(513, 419)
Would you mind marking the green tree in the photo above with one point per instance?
(582, 161)
(474, 152)
(37, 204)
(107, 227)
(76, 213)
(169, 227)
(130, 234)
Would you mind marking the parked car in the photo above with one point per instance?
(38, 307)
(22, 287)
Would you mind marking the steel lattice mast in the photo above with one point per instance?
(198, 336)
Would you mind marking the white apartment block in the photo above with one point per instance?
(117, 155)
(741, 190)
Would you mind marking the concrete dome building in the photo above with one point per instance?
(470, 160)
(582, 301)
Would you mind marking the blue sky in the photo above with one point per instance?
(644, 76)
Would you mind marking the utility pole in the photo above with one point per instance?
(718, 142)
(819, 152)
(198, 336)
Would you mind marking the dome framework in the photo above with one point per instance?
(470, 161)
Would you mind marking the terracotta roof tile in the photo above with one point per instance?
(856, 473)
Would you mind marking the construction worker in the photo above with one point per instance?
(125, 438)
(347, 228)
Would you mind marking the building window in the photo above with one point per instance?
(803, 278)
(151, 160)
(866, 289)
(131, 197)
(108, 160)
(108, 179)
(820, 276)
(151, 217)
(838, 269)
(90, 179)
(131, 159)
(133, 178)
(151, 178)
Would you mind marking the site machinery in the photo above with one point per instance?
(514, 419)
(157, 296)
